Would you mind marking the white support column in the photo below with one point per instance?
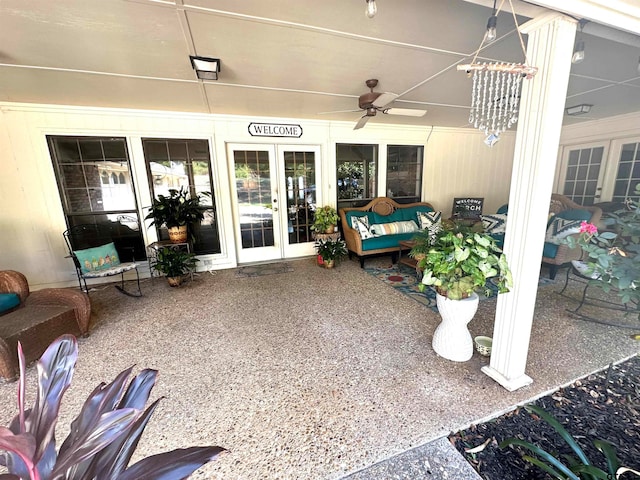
(550, 46)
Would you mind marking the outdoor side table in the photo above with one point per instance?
(155, 247)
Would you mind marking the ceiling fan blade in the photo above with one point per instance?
(408, 112)
(364, 119)
(338, 111)
(384, 99)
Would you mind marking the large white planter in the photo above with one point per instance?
(451, 339)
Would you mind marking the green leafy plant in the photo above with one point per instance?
(176, 209)
(324, 218)
(331, 249)
(613, 254)
(102, 438)
(459, 261)
(577, 467)
(174, 262)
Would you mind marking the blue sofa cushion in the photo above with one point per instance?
(386, 241)
(550, 250)
(8, 301)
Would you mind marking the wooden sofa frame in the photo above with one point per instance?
(382, 206)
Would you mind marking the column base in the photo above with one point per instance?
(510, 384)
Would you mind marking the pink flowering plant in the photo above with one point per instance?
(612, 254)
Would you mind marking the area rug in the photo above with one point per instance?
(404, 279)
(264, 269)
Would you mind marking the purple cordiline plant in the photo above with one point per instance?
(102, 438)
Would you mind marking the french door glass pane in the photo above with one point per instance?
(628, 175)
(299, 172)
(582, 175)
(253, 187)
(175, 163)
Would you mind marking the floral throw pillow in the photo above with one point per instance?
(361, 225)
(560, 228)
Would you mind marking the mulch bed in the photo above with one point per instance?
(603, 406)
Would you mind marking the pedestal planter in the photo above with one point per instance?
(451, 339)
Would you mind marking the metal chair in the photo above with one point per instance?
(96, 254)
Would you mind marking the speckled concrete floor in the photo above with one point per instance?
(311, 374)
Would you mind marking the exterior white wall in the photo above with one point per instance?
(457, 163)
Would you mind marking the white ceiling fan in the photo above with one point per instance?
(374, 102)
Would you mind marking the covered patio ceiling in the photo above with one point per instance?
(287, 59)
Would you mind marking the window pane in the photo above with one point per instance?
(356, 173)
(95, 186)
(175, 163)
(404, 172)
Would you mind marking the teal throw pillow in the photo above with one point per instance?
(97, 258)
(8, 301)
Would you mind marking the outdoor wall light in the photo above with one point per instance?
(206, 68)
(578, 109)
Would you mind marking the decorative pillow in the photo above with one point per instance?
(560, 228)
(97, 258)
(494, 223)
(8, 301)
(431, 221)
(361, 225)
(391, 228)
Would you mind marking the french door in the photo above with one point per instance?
(274, 196)
(583, 173)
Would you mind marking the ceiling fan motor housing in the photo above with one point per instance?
(365, 101)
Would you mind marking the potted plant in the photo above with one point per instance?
(330, 251)
(325, 219)
(103, 437)
(177, 212)
(458, 263)
(175, 264)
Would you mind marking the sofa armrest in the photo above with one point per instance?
(75, 299)
(14, 282)
(351, 235)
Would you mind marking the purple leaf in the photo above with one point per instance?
(55, 371)
(23, 446)
(110, 426)
(103, 399)
(139, 390)
(174, 465)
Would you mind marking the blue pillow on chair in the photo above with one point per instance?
(97, 258)
(8, 301)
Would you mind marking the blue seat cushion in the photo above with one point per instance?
(386, 241)
(8, 301)
(550, 250)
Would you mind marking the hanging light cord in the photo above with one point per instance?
(515, 20)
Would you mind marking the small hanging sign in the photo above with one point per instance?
(275, 130)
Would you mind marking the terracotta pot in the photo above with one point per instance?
(178, 234)
(174, 281)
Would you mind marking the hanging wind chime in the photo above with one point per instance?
(495, 91)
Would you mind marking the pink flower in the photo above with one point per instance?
(589, 228)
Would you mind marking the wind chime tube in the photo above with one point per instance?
(472, 113)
